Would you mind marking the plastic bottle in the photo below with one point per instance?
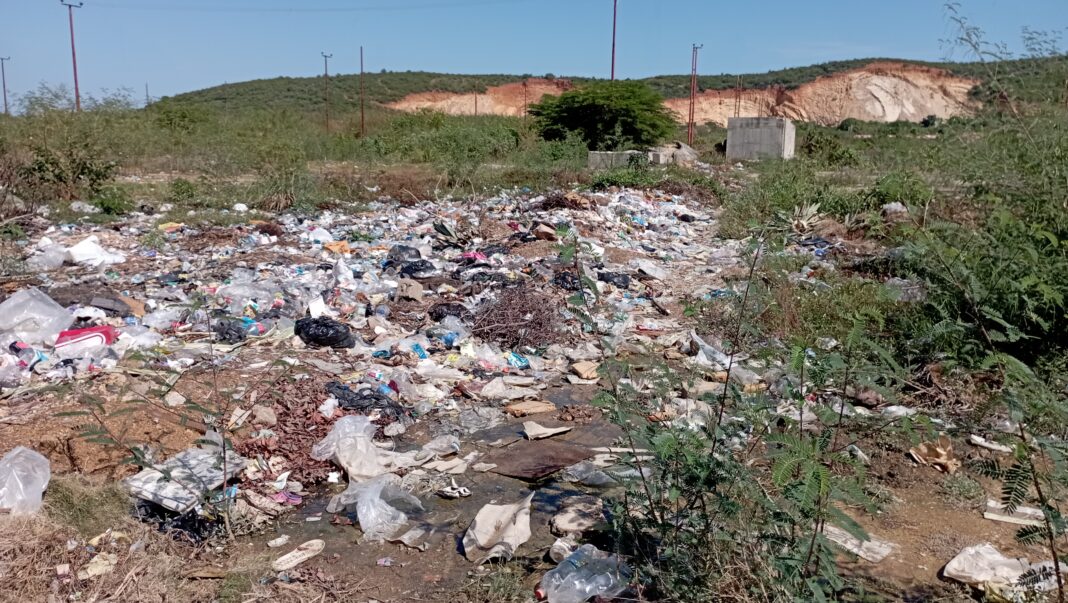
(585, 573)
(28, 357)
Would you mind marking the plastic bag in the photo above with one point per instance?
(11, 374)
(325, 333)
(349, 444)
(376, 506)
(32, 317)
(51, 257)
(89, 253)
(162, 319)
(24, 475)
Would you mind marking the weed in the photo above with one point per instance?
(181, 191)
(963, 491)
(153, 239)
(504, 584)
(87, 507)
(113, 201)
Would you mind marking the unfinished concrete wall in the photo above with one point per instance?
(608, 160)
(760, 138)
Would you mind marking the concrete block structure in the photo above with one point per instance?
(760, 138)
(609, 160)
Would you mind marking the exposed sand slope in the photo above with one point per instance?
(876, 92)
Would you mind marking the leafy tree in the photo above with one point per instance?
(606, 115)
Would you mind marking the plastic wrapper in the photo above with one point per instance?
(377, 501)
(32, 317)
(349, 444)
(162, 319)
(24, 475)
(11, 374)
(51, 257)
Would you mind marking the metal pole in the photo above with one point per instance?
(148, 99)
(363, 125)
(73, 54)
(3, 76)
(326, 87)
(615, 14)
(693, 94)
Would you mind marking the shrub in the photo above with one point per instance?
(607, 115)
(113, 201)
(73, 169)
(901, 187)
(181, 191)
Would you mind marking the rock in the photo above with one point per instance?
(264, 415)
(648, 268)
(84, 208)
(409, 289)
(529, 407)
(545, 232)
(894, 209)
(585, 369)
(579, 514)
(173, 398)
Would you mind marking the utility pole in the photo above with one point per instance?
(3, 76)
(74, 55)
(615, 14)
(693, 93)
(148, 99)
(326, 86)
(363, 125)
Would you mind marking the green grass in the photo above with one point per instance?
(87, 507)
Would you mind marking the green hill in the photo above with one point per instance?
(1028, 79)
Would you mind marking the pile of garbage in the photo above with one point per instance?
(456, 318)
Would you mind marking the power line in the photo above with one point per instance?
(204, 8)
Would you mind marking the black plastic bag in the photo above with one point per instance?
(618, 279)
(567, 281)
(363, 399)
(418, 269)
(403, 253)
(324, 333)
(230, 330)
(439, 312)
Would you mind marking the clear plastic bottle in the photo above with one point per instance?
(585, 573)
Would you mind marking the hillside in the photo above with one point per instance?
(872, 89)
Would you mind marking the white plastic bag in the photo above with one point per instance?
(349, 445)
(32, 317)
(376, 506)
(89, 252)
(24, 475)
(51, 257)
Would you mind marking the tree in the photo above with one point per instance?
(608, 116)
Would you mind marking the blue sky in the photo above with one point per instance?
(179, 45)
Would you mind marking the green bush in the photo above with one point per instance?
(113, 201)
(608, 116)
(900, 187)
(73, 169)
(181, 191)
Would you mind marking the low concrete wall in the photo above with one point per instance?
(608, 160)
(760, 138)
